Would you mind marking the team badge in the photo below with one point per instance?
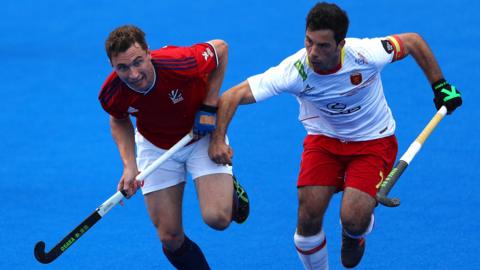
(387, 45)
(356, 78)
(175, 96)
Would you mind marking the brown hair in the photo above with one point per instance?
(122, 38)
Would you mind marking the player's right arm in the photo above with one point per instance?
(124, 136)
(219, 151)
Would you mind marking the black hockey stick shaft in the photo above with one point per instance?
(65, 243)
(103, 209)
(405, 160)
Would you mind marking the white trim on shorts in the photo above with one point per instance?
(191, 159)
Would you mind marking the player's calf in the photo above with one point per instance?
(187, 257)
(353, 246)
(312, 250)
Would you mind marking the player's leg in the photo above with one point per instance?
(371, 162)
(357, 220)
(222, 199)
(310, 239)
(321, 175)
(215, 192)
(163, 193)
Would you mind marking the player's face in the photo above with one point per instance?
(322, 49)
(134, 67)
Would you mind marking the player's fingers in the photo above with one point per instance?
(128, 189)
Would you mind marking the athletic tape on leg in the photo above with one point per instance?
(312, 250)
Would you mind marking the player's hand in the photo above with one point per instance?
(128, 183)
(220, 152)
(446, 94)
(205, 120)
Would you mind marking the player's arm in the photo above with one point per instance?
(216, 77)
(123, 135)
(219, 151)
(415, 45)
(206, 116)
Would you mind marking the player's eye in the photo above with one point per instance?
(122, 68)
(137, 62)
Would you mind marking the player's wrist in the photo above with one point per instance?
(439, 85)
(208, 108)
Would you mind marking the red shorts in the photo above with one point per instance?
(360, 165)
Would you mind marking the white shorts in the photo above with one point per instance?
(192, 158)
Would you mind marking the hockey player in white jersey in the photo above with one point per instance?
(350, 144)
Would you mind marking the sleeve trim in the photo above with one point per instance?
(399, 50)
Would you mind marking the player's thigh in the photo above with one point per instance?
(319, 165)
(313, 201)
(356, 206)
(215, 192)
(213, 181)
(170, 173)
(165, 209)
(370, 163)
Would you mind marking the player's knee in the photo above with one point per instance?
(309, 222)
(171, 240)
(355, 223)
(217, 219)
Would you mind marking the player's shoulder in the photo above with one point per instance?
(295, 65)
(362, 43)
(179, 57)
(171, 52)
(370, 48)
(376, 43)
(110, 88)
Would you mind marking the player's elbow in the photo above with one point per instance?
(221, 49)
(412, 41)
(239, 94)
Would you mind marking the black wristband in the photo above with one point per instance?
(208, 108)
(439, 84)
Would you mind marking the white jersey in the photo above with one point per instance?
(348, 104)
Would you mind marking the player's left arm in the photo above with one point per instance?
(413, 44)
(205, 118)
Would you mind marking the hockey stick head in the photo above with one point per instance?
(40, 254)
(389, 202)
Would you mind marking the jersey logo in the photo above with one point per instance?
(207, 53)
(175, 96)
(307, 89)
(337, 108)
(132, 110)
(387, 46)
(381, 179)
(301, 70)
(361, 60)
(356, 78)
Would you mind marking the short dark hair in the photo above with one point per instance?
(122, 38)
(328, 16)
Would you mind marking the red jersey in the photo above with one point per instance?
(167, 112)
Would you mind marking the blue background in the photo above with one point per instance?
(58, 161)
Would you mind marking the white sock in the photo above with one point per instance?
(369, 229)
(312, 250)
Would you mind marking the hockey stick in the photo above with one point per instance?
(405, 160)
(103, 209)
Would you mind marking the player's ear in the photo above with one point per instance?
(341, 44)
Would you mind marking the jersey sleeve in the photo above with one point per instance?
(282, 78)
(198, 60)
(109, 97)
(382, 51)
